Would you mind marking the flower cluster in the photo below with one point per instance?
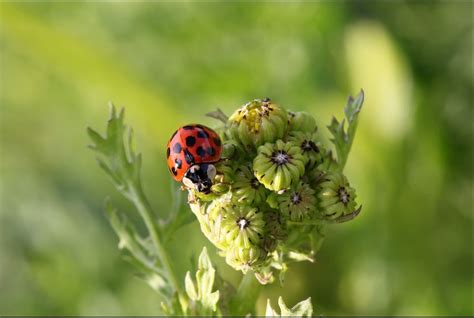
(276, 182)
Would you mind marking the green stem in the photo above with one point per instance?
(244, 300)
(146, 212)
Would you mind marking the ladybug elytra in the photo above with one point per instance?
(191, 152)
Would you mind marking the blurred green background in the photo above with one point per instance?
(409, 252)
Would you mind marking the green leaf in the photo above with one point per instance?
(300, 256)
(301, 309)
(205, 300)
(139, 248)
(219, 115)
(117, 158)
(190, 289)
(342, 138)
(353, 106)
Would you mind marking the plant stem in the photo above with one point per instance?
(244, 300)
(146, 212)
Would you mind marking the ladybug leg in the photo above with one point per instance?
(183, 188)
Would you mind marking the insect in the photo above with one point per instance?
(191, 153)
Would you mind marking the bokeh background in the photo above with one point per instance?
(409, 252)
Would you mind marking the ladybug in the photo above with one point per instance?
(191, 152)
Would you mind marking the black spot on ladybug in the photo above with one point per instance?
(203, 134)
(168, 152)
(190, 141)
(188, 157)
(211, 151)
(200, 152)
(174, 171)
(177, 147)
(188, 127)
(178, 163)
(217, 141)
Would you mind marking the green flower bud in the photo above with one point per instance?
(211, 221)
(258, 122)
(299, 203)
(224, 172)
(301, 121)
(233, 150)
(242, 226)
(278, 165)
(336, 197)
(313, 177)
(276, 230)
(246, 188)
(310, 147)
(244, 258)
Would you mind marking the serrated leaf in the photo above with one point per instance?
(301, 309)
(342, 138)
(129, 239)
(353, 106)
(118, 157)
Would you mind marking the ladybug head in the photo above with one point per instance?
(199, 177)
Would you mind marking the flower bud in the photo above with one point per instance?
(278, 165)
(258, 122)
(211, 221)
(313, 177)
(299, 203)
(301, 121)
(310, 147)
(336, 197)
(243, 259)
(242, 226)
(276, 230)
(246, 188)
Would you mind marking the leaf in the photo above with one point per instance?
(301, 309)
(117, 158)
(129, 240)
(205, 299)
(190, 289)
(353, 106)
(219, 115)
(269, 312)
(300, 256)
(342, 138)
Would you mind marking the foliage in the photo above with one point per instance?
(301, 309)
(118, 159)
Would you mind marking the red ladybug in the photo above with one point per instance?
(191, 152)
